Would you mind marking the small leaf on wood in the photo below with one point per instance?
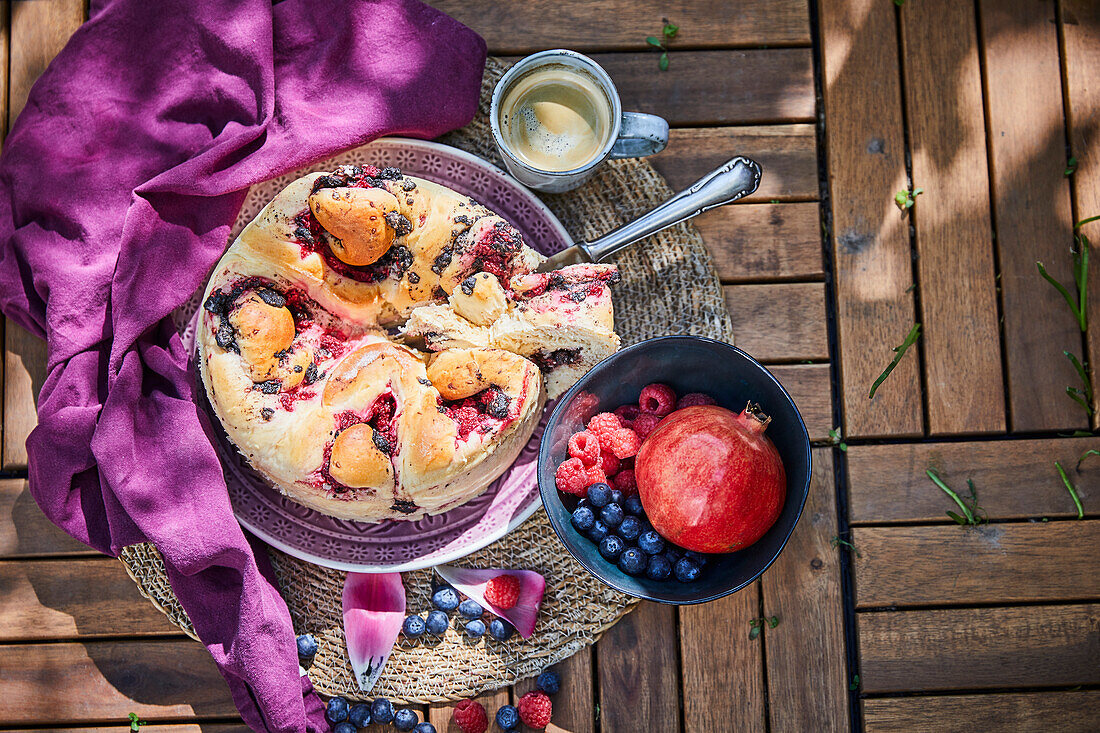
(899, 351)
(663, 63)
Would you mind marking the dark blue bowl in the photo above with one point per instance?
(687, 364)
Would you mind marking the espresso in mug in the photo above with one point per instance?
(555, 119)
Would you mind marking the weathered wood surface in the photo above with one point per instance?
(1027, 712)
(624, 24)
(637, 666)
(764, 241)
(960, 339)
(979, 648)
(996, 563)
(1031, 206)
(807, 676)
(1014, 479)
(865, 145)
(779, 322)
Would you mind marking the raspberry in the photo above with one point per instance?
(695, 398)
(627, 413)
(470, 717)
(644, 424)
(657, 398)
(603, 423)
(585, 446)
(621, 443)
(625, 482)
(609, 464)
(502, 591)
(573, 477)
(535, 709)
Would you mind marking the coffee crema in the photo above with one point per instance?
(555, 119)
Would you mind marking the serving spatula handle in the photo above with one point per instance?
(739, 177)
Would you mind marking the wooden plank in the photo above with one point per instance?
(811, 389)
(807, 676)
(787, 154)
(1020, 712)
(865, 149)
(716, 87)
(1013, 479)
(1031, 208)
(39, 30)
(123, 724)
(980, 648)
(715, 636)
(997, 563)
(764, 241)
(24, 373)
(440, 714)
(24, 529)
(779, 322)
(638, 683)
(102, 680)
(575, 703)
(70, 599)
(624, 24)
(960, 338)
(1080, 22)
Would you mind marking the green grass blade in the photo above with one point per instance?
(1061, 289)
(1086, 454)
(1071, 489)
(914, 334)
(947, 490)
(1083, 222)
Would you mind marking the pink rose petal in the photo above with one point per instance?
(374, 609)
(472, 582)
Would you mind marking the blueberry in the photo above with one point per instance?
(632, 561)
(673, 553)
(470, 608)
(359, 715)
(633, 505)
(445, 599)
(381, 711)
(501, 630)
(599, 495)
(413, 626)
(598, 532)
(611, 547)
(583, 519)
(616, 496)
(307, 646)
(686, 570)
(651, 543)
(437, 623)
(424, 728)
(630, 528)
(344, 727)
(659, 568)
(508, 717)
(475, 629)
(549, 682)
(611, 515)
(337, 710)
(697, 557)
(404, 719)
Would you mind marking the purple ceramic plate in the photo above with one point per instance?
(397, 546)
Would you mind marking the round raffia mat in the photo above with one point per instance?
(668, 286)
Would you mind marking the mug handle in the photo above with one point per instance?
(640, 135)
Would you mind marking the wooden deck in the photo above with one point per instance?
(924, 625)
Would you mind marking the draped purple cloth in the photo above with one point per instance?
(118, 186)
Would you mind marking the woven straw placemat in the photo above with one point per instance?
(668, 287)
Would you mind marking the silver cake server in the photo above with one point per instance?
(737, 178)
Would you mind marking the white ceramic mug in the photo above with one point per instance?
(632, 134)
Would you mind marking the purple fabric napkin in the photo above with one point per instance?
(118, 186)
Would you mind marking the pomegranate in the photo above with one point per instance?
(709, 479)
